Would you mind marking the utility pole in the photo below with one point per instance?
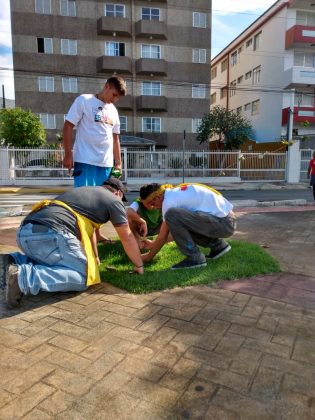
(184, 138)
(290, 117)
(3, 97)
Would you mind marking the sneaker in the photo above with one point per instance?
(217, 254)
(5, 260)
(186, 263)
(13, 294)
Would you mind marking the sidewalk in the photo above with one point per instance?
(241, 350)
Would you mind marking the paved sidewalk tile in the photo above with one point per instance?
(241, 350)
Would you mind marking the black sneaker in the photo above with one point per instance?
(186, 263)
(217, 254)
(13, 294)
(5, 261)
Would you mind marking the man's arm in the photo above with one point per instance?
(67, 144)
(157, 244)
(94, 246)
(130, 246)
(134, 218)
(117, 152)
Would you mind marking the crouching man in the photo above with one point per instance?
(59, 242)
(194, 214)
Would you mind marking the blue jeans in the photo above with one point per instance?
(53, 261)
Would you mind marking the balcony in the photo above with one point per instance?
(125, 102)
(297, 76)
(148, 102)
(301, 114)
(109, 64)
(151, 66)
(300, 36)
(108, 25)
(152, 29)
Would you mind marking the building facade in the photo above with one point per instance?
(267, 73)
(63, 48)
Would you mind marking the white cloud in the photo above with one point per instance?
(5, 25)
(6, 75)
(237, 6)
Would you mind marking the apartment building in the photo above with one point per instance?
(268, 72)
(63, 48)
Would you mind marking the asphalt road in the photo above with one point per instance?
(20, 201)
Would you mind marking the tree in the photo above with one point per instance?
(21, 128)
(227, 127)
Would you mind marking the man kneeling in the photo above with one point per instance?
(194, 214)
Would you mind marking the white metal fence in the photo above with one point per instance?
(306, 156)
(44, 166)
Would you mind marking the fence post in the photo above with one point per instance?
(239, 152)
(125, 164)
(293, 163)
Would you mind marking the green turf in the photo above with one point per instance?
(244, 260)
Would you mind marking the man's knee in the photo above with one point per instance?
(172, 215)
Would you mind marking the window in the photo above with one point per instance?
(213, 73)
(223, 92)
(43, 6)
(255, 107)
(67, 8)
(248, 75)
(46, 84)
(224, 65)
(304, 59)
(150, 51)
(240, 49)
(149, 13)
(234, 58)
(257, 39)
(305, 18)
(304, 99)
(114, 10)
(70, 84)
(238, 110)
(247, 107)
(240, 79)
(195, 123)
(151, 125)
(69, 47)
(232, 88)
(256, 75)
(249, 42)
(151, 88)
(115, 49)
(213, 98)
(199, 55)
(123, 123)
(199, 20)
(45, 45)
(199, 91)
(48, 120)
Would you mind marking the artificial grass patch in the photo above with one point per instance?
(244, 260)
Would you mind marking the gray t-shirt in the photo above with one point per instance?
(96, 203)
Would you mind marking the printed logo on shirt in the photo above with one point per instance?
(101, 117)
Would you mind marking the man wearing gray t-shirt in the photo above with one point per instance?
(59, 244)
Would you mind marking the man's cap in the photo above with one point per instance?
(117, 185)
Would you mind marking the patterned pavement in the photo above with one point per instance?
(241, 350)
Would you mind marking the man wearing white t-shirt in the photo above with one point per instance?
(96, 148)
(195, 215)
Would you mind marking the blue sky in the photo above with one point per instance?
(230, 18)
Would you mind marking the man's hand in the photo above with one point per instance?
(146, 243)
(142, 227)
(68, 163)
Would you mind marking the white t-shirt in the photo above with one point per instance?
(196, 198)
(95, 122)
